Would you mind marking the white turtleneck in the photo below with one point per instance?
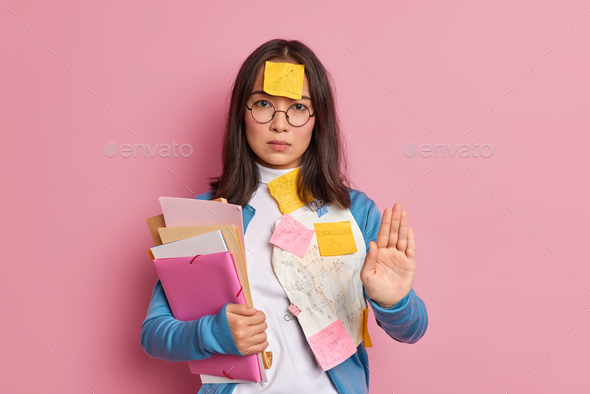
(294, 368)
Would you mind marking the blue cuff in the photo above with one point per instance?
(400, 305)
(406, 321)
(217, 334)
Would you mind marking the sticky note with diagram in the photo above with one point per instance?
(284, 79)
(284, 190)
(291, 235)
(335, 238)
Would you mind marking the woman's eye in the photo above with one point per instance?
(299, 107)
(262, 103)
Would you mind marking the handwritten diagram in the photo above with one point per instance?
(328, 290)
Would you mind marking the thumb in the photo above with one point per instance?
(371, 258)
(242, 309)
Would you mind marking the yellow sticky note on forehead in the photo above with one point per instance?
(335, 238)
(284, 79)
(284, 190)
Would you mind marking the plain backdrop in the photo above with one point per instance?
(501, 261)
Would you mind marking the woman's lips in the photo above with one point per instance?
(278, 145)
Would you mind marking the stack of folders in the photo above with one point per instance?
(199, 259)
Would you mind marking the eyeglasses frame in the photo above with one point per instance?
(279, 110)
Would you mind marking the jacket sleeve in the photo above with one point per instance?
(407, 320)
(166, 338)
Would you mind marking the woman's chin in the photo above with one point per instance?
(279, 163)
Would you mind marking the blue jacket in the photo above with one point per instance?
(164, 337)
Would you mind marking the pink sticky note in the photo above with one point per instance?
(332, 345)
(292, 236)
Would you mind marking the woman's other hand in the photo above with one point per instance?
(390, 265)
(247, 328)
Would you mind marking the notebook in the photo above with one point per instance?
(210, 242)
(196, 287)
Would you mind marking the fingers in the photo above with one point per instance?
(399, 237)
(255, 334)
(258, 328)
(393, 232)
(254, 348)
(383, 235)
(251, 325)
(247, 321)
(253, 338)
(394, 227)
(411, 249)
(258, 318)
(258, 333)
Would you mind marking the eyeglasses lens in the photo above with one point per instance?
(297, 114)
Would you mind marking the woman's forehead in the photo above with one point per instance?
(263, 95)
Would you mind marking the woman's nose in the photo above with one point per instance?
(279, 122)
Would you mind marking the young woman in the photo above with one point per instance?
(266, 137)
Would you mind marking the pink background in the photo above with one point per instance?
(500, 241)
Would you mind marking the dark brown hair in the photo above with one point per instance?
(323, 166)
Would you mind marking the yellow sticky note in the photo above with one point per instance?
(335, 238)
(366, 336)
(284, 79)
(284, 190)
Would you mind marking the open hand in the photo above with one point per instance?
(390, 265)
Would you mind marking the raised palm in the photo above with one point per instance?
(390, 265)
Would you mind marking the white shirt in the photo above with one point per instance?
(294, 368)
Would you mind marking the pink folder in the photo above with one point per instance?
(196, 287)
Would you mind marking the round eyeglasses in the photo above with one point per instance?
(263, 111)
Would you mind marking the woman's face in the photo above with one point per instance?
(260, 136)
